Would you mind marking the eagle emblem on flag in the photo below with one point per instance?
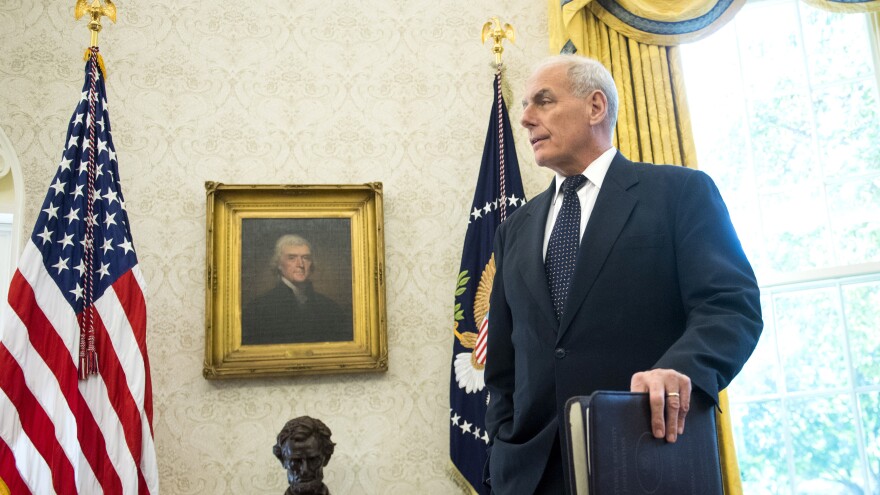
(469, 366)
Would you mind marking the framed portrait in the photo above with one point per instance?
(295, 280)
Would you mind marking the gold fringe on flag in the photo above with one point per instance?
(88, 54)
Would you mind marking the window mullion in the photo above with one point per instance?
(854, 409)
(783, 402)
(828, 238)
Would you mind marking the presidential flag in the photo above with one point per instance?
(75, 394)
(499, 193)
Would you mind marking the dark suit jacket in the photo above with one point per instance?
(277, 318)
(661, 282)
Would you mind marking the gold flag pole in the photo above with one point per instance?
(95, 11)
(498, 32)
(493, 29)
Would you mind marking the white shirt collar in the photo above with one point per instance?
(595, 171)
(300, 294)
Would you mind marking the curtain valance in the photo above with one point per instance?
(848, 6)
(666, 22)
(657, 22)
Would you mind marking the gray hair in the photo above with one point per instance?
(586, 75)
(288, 240)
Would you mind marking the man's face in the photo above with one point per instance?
(558, 122)
(295, 263)
(304, 463)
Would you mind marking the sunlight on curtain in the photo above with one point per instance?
(653, 121)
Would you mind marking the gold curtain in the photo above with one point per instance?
(726, 449)
(653, 120)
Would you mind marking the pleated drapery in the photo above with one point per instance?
(653, 120)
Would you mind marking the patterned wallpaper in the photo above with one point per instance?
(396, 91)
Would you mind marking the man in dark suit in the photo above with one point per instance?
(655, 294)
(292, 311)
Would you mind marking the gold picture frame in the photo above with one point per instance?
(276, 305)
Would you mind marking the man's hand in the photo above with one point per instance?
(670, 397)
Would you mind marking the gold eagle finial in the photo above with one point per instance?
(96, 10)
(497, 32)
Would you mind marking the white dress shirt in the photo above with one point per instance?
(587, 194)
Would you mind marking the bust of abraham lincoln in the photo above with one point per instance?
(304, 448)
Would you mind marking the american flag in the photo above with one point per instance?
(76, 403)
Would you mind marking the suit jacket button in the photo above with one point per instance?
(560, 353)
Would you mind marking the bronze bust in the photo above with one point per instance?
(304, 448)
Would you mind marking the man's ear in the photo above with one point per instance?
(597, 107)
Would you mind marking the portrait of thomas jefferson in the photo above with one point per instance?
(292, 311)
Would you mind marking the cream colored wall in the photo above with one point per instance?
(298, 92)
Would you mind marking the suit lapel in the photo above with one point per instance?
(532, 267)
(613, 207)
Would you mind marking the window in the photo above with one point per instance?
(786, 118)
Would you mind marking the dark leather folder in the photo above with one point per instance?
(611, 450)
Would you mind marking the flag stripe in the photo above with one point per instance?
(130, 287)
(51, 369)
(94, 449)
(132, 305)
(120, 395)
(33, 360)
(10, 433)
(9, 473)
(36, 424)
(480, 348)
(57, 359)
(120, 356)
(96, 397)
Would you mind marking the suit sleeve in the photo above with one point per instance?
(499, 374)
(719, 291)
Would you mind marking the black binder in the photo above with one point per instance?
(611, 449)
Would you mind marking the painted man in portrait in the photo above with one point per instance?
(292, 311)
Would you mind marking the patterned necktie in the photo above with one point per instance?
(563, 246)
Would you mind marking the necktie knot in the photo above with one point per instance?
(572, 184)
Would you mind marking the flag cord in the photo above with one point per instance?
(500, 99)
(88, 356)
